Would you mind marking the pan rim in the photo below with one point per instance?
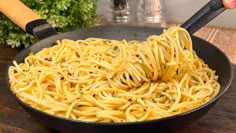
(213, 100)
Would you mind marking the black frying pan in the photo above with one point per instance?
(214, 57)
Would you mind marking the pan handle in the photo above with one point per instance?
(208, 12)
(26, 19)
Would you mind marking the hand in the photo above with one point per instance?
(229, 4)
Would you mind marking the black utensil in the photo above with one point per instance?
(208, 12)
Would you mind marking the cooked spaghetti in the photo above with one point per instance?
(102, 80)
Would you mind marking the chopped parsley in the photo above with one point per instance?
(165, 66)
(77, 107)
(115, 48)
(107, 41)
(141, 59)
(154, 100)
(177, 72)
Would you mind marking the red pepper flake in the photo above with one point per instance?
(130, 100)
(48, 59)
(62, 78)
(94, 95)
(144, 110)
(137, 55)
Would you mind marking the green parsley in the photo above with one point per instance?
(142, 115)
(77, 107)
(177, 72)
(106, 41)
(63, 15)
(154, 100)
(115, 48)
(165, 66)
(173, 100)
(163, 96)
(141, 59)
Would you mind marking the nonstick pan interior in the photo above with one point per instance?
(214, 57)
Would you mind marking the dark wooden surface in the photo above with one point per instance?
(220, 119)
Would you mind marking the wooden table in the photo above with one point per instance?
(220, 119)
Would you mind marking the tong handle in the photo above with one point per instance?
(19, 13)
(208, 12)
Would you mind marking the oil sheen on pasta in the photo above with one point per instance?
(102, 80)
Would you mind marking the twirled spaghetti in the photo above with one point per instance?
(116, 81)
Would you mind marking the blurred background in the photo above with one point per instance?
(169, 11)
